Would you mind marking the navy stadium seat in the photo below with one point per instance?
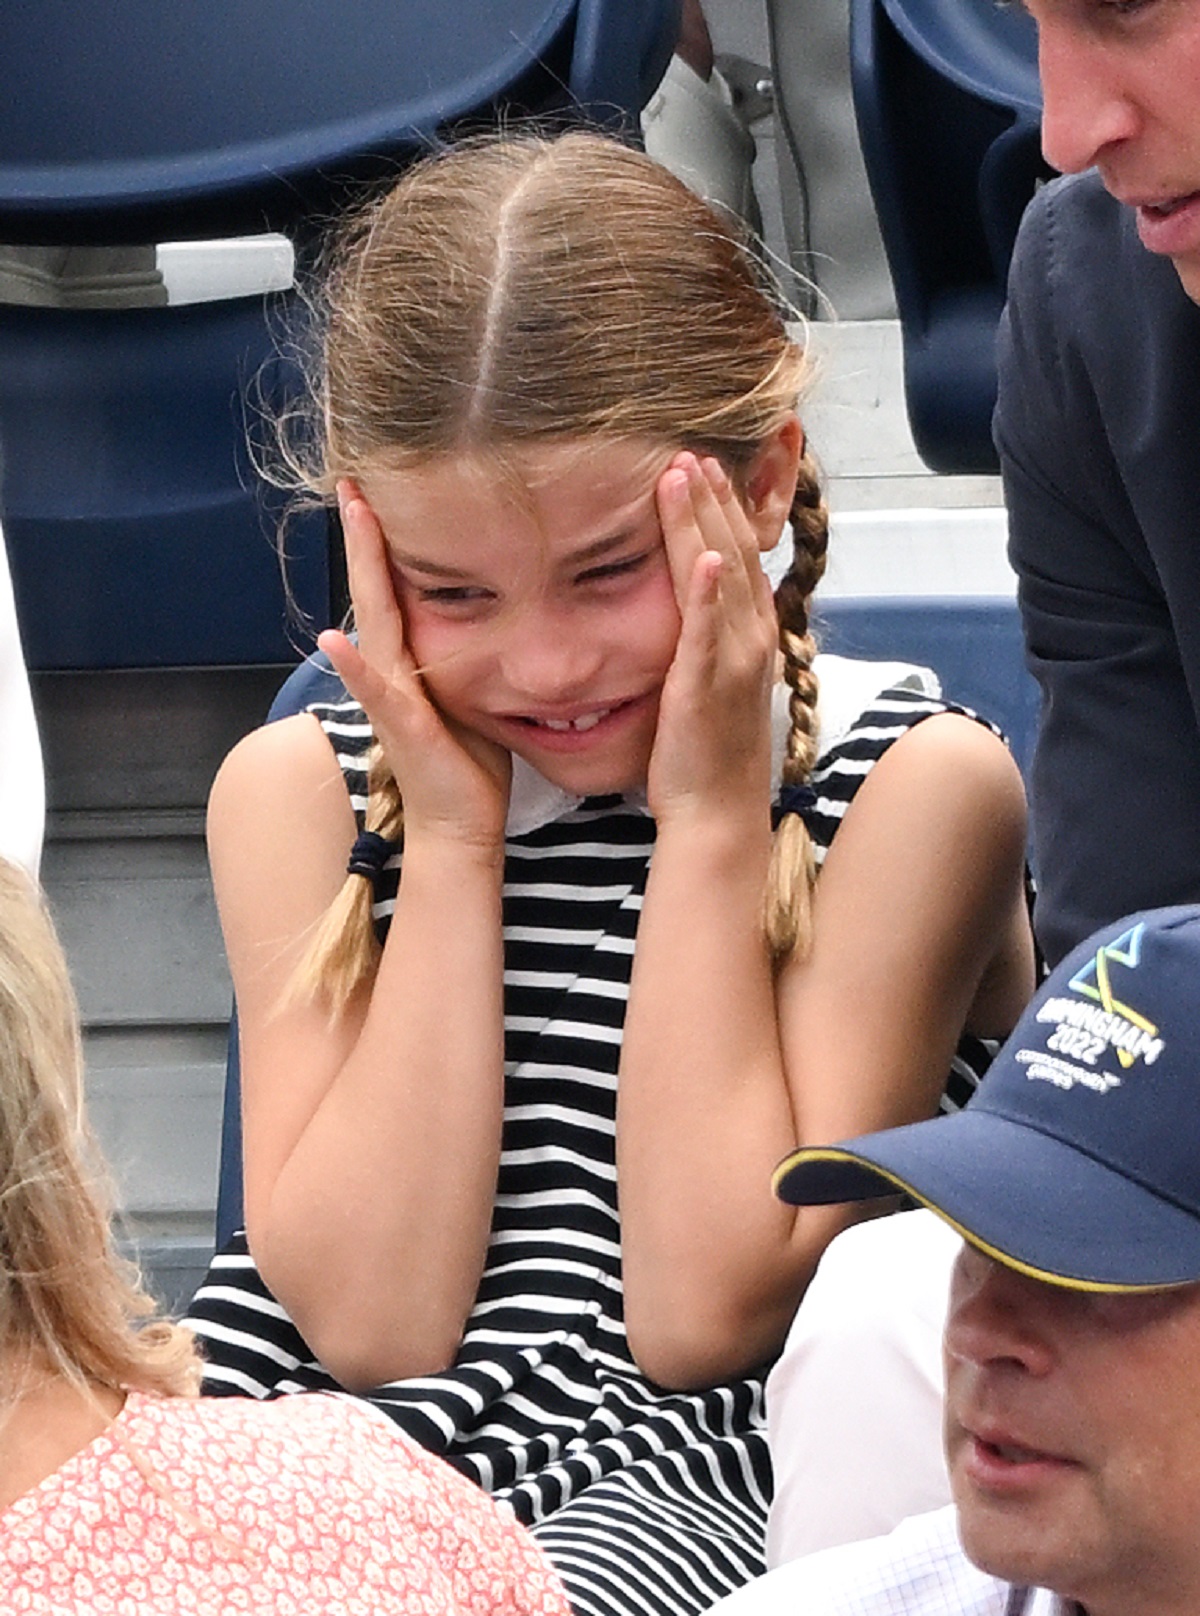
(949, 109)
(139, 533)
(973, 644)
(136, 121)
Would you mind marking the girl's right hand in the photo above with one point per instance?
(454, 784)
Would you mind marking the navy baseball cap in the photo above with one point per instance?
(1077, 1161)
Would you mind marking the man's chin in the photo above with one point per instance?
(1003, 1547)
(1188, 270)
(1024, 1546)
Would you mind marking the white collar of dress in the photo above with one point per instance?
(846, 688)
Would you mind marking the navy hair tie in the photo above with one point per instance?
(793, 800)
(369, 854)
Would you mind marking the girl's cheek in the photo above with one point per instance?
(430, 642)
(451, 656)
(659, 609)
(431, 639)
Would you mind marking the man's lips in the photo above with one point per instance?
(1000, 1459)
(1169, 225)
(1012, 1452)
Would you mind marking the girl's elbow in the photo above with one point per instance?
(360, 1356)
(362, 1336)
(678, 1365)
(689, 1353)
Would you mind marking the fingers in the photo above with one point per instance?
(700, 617)
(377, 671)
(701, 513)
(727, 531)
(350, 666)
(377, 615)
(681, 531)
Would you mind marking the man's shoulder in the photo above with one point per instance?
(1078, 255)
(917, 1570)
(1097, 349)
(1078, 204)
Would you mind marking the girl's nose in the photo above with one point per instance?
(549, 655)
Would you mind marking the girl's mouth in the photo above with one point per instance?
(585, 721)
(584, 729)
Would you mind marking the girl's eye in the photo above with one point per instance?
(453, 595)
(615, 569)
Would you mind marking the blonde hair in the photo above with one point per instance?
(69, 1304)
(520, 291)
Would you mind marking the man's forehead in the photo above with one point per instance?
(1129, 1306)
(1068, 10)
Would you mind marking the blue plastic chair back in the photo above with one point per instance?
(139, 121)
(948, 104)
(139, 532)
(313, 680)
(973, 644)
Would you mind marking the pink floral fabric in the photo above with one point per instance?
(306, 1506)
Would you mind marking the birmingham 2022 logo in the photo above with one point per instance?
(1098, 1020)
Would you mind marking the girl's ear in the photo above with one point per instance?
(770, 484)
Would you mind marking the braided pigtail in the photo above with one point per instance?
(343, 955)
(793, 868)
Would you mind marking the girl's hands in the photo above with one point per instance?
(712, 748)
(454, 784)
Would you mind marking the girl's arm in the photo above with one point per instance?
(372, 1136)
(918, 914)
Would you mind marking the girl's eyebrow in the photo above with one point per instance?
(595, 550)
(431, 569)
(600, 547)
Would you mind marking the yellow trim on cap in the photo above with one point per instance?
(818, 1153)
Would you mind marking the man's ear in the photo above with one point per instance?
(770, 482)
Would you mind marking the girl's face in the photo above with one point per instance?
(538, 602)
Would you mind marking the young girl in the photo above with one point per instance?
(119, 1489)
(557, 411)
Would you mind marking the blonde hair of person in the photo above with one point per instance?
(70, 1306)
(519, 291)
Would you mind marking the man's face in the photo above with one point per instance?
(1073, 1437)
(1121, 92)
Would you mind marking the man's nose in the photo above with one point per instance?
(998, 1314)
(1086, 104)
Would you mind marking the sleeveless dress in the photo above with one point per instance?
(650, 1502)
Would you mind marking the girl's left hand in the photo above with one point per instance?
(712, 747)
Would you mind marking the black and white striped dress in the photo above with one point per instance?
(650, 1502)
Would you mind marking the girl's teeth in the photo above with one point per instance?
(588, 721)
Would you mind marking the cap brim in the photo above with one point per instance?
(1024, 1198)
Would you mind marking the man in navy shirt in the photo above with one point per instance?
(1098, 427)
